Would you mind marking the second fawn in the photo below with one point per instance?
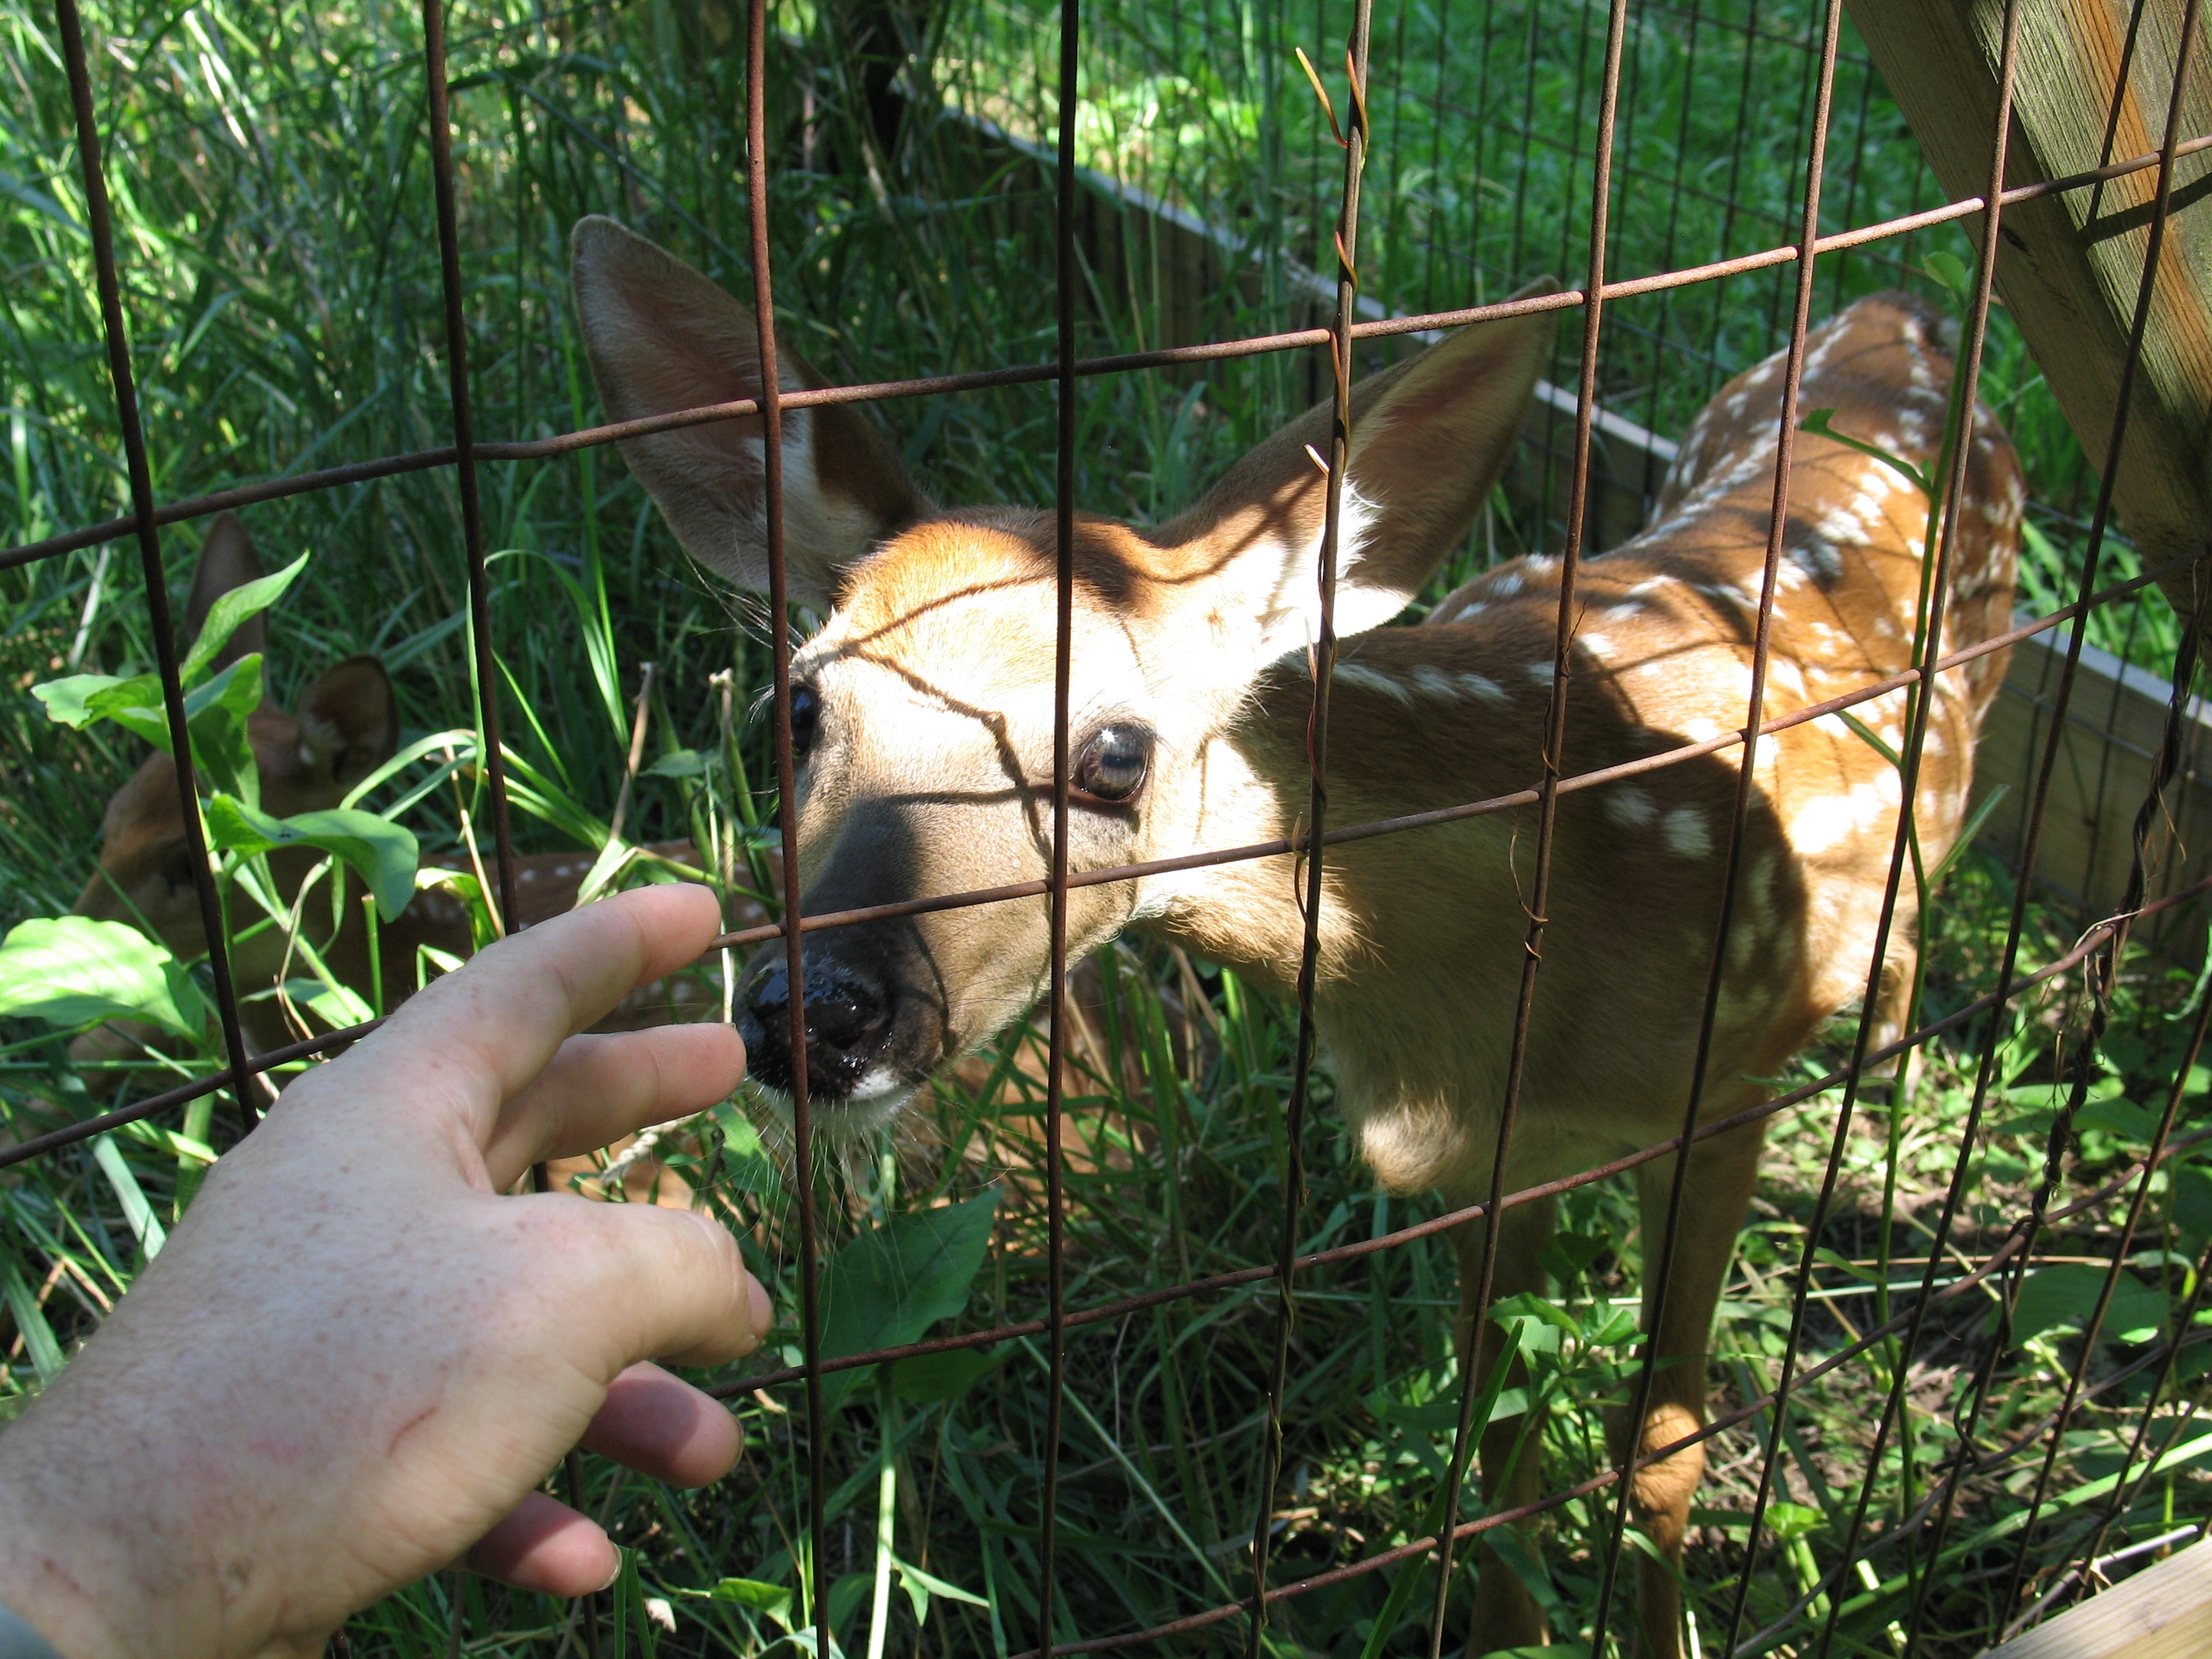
(342, 726)
(923, 713)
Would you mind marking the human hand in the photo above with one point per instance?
(358, 1356)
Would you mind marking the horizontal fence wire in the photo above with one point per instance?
(423, 460)
(311, 1048)
(2001, 1273)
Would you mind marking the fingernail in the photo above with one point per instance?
(763, 1310)
(613, 1573)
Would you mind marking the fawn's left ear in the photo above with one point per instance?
(349, 722)
(227, 561)
(662, 337)
(1429, 437)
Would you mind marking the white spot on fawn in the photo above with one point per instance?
(1359, 674)
(1629, 807)
(1686, 833)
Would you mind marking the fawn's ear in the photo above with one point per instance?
(1430, 435)
(349, 722)
(662, 337)
(227, 561)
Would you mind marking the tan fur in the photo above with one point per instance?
(931, 772)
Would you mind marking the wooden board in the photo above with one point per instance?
(2108, 744)
(2163, 1612)
(2085, 94)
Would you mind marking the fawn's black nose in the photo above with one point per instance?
(848, 1026)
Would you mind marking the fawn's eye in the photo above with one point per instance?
(1111, 766)
(805, 720)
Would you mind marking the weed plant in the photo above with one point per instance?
(281, 278)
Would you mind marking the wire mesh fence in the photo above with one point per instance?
(1397, 201)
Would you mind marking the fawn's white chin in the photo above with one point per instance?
(878, 1099)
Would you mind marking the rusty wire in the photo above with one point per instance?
(144, 522)
(1065, 275)
(771, 406)
(1739, 822)
(1921, 703)
(2108, 938)
(1895, 1403)
(312, 1047)
(1322, 658)
(567, 443)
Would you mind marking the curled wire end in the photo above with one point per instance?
(1321, 93)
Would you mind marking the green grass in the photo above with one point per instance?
(281, 272)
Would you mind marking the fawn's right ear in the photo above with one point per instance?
(349, 722)
(662, 337)
(227, 561)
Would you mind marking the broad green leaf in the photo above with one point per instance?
(1793, 1521)
(219, 715)
(1953, 273)
(216, 714)
(2192, 1201)
(70, 699)
(747, 1165)
(383, 855)
(682, 763)
(845, 1595)
(930, 1378)
(920, 1586)
(773, 1600)
(891, 1284)
(225, 615)
(2123, 1118)
(338, 1006)
(69, 970)
(2065, 1293)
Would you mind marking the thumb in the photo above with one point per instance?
(677, 1288)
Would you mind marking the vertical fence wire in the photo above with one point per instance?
(770, 399)
(1966, 378)
(1657, 1290)
(485, 676)
(483, 652)
(2184, 664)
(1056, 1175)
(486, 663)
(100, 225)
(1323, 669)
(1896, 1402)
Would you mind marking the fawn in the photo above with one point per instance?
(923, 712)
(345, 726)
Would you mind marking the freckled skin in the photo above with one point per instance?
(357, 1358)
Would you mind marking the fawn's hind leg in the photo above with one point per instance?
(1505, 1614)
(1714, 1198)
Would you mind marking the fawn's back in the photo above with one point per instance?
(1663, 657)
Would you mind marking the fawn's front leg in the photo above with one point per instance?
(1505, 1614)
(1714, 1198)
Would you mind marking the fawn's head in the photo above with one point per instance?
(344, 726)
(923, 710)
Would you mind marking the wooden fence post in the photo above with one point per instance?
(2085, 94)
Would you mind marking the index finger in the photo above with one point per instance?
(476, 1035)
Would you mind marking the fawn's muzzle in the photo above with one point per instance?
(848, 1030)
